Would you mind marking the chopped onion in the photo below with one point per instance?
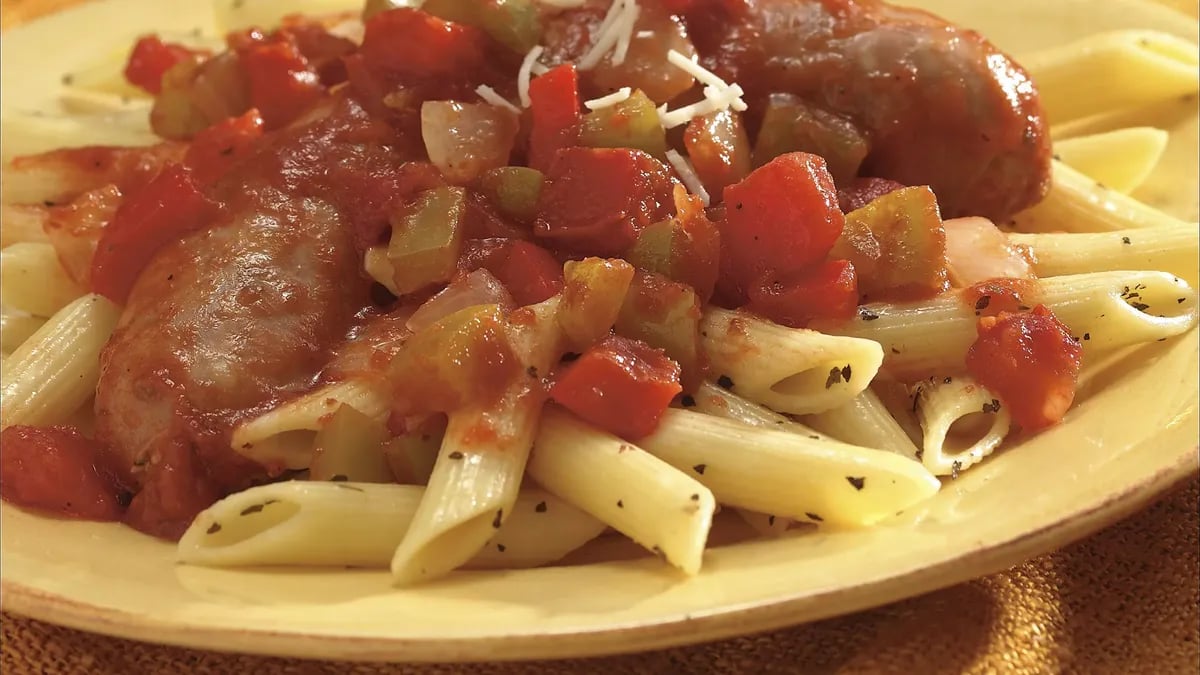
(977, 251)
(477, 288)
(465, 139)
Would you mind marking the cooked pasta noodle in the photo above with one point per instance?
(1170, 248)
(1120, 159)
(1077, 203)
(16, 327)
(963, 423)
(22, 223)
(32, 280)
(865, 421)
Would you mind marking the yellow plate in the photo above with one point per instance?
(1133, 434)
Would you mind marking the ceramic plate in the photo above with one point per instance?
(1133, 434)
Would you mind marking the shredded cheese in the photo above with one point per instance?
(489, 95)
(687, 174)
(526, 72)
(564, 4)
(718, 94)
(610, 100)
(615, 30)
(629, 20)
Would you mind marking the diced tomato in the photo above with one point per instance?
(282, 84)
(220, 146)
(991, 297)
(527, 270)
(410, 43)
(176, 488)
(829, 291)
(782, 218)
(170, 207)
(323, 49)
(151, 57)
(620, 385)
(554, 108)
(596, 200)
(863, 191)
(53, 469)
(1032, 363)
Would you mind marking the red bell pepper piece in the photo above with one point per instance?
(781, 219)
(409, 43)
(220, 146)
(527, 270)
(829, 291)
(151, 57)
(282, 84)
(554, 107)
(620, 385)
(53, 469)
(1032, 363)
(168, 208)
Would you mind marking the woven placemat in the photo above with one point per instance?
(1123, 601)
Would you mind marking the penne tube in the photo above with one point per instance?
(312, 523)
(766, 525)
(1121, 159)
(789, 474)
(474, 482)
(786, 369)
(865, 422)
(32, 280)
(24, 134)
(23, 223)
(283, 437)
(16, 327)
(963, 423)
(349, 447)
(82, 101)
(1136, 67)
(1104, 310)
(656, 505)
(1077, 203)
(56, 370)
(713, 400)
(1170, 248)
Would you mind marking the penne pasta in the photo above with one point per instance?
(786, 369)
(21, 223)
(1136, 67)
(349, 447)
(311, 523)
(963, 423)
(81, 101)
(16, 327)
(32, 280)
(283, 437)
(24, 134)
(474, 483)
(789, 474)
(55, 371)
(865, 422)
(1104, 310)
(1171, 248)
(766, 525)
(1076, 203)
(659, 507)
(713, 400)
(1120, 159)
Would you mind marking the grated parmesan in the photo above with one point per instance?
(718, 94)
(490, 96)
(687, 174)
(526, 72)
(564, 4)
(615, 32)
(610, 100)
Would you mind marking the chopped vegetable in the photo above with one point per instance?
(719, 149)
(514, 190)
(196, 94)
(686, 248)
(863, 191)
(976, 250)
(516, 24)
(911, 260)
(52, 468)
(1031, 361)
(666, 315)
(828, 291)
(411, 45)
(791, 124)
(645, 66)
(554, 111)
(632, 123)
(427, 238)
(349, 447)
(222, 145)
(620, 385)
(282, 84)
(75, 229)
(151, 58)
(463, 359)
(527, 270)
(598, 199)
(465, 139)
(477, 288)
(765, 233)
(592, 297)
(167, 209)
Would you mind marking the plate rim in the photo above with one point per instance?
(724, 622)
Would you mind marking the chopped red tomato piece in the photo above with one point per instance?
(554, 109)
(282, 84)
(220, 146)
(527, 270)
(620, 385)
(176, 488)
(1031, 361)
(52, 468)
(151, 57)
(168, 208)
(323, 49)
(597, 199)
(829, 291)
(410, 43)
(863, 191)
(782, 218)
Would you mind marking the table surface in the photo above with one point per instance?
(1126, 600)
